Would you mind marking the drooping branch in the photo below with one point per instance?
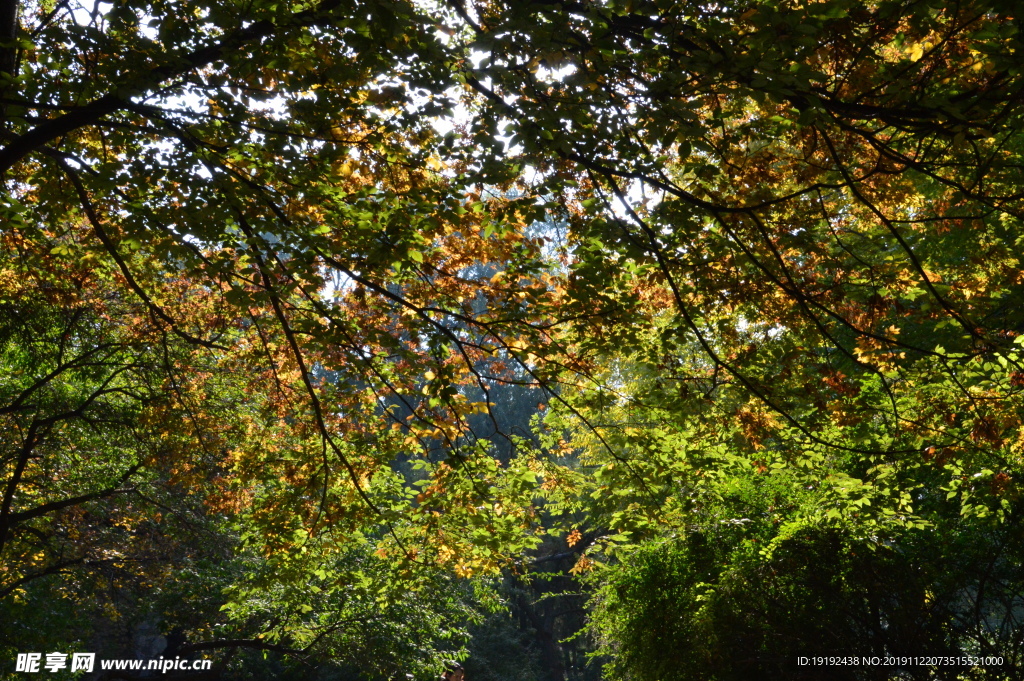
(121, 98)
(52, 506)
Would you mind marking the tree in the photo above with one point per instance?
(123, 481)
(792, 337)
(319, 216)
(85, 381)
(792, 258)
(270, 304)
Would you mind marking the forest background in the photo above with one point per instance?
(625, 339)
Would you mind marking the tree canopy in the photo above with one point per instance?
(387, 299)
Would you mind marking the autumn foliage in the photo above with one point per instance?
(386, 300)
